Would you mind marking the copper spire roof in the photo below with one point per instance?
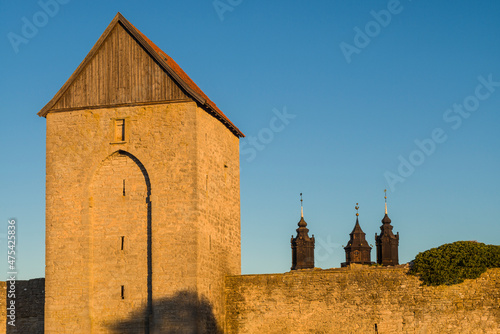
(302, 231)
(302, 245)
(357, 236)
(357, 227)
(386, 219)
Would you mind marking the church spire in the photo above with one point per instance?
(385, 197)
(387, 243)
(301, 207)
(302, 244)
(357, 249)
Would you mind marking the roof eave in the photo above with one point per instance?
(120, 19)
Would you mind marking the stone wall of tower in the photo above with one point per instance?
(194, 220)
(218, 198)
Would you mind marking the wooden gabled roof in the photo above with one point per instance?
(167, 64)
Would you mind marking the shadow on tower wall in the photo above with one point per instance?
(185, 312)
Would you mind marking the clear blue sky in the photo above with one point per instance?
(363, 80)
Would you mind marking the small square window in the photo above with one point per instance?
(119, 130)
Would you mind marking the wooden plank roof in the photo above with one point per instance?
(168, 65)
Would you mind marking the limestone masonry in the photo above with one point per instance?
(30, 300)
(143, 224)
(357, 299)
(360, 300)
(142, 195)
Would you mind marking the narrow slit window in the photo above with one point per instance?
(123, 242)
(123, 187)
(225, 174)
(123, 292)
(120, 130)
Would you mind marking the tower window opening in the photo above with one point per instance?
(123, 291)
(123, 242)
(123, 187)
(120, 130)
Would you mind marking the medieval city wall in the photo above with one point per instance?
(3, 306)
(350, 300)
(28, 316)
(360, 300)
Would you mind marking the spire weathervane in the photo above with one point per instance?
(301, 207)
(357, 207)
(385, 197)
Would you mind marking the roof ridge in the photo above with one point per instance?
(164, 60)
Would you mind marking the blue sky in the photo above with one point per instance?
(339, 100)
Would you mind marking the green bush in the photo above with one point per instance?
(453, 263)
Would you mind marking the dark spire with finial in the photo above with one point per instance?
(302, 245)
(387, 243)
(301, 207)
(357, 249)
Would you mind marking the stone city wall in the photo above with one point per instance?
(360, 300)
(352, 300)
(29, 303)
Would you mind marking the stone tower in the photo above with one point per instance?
(142, 195)
(357, 249)
(387, 243)
(302, 245)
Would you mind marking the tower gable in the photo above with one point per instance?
(119, 72)
(125, 68)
